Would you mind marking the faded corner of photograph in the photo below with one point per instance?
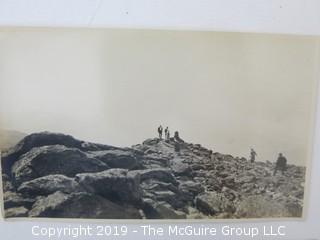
(155, 124)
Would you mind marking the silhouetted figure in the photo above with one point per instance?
(168, 135)
(160, 129)
(281, 164)
(210, 153)
(177, 138)
(177, 141)
(166, 130)
(253, 155)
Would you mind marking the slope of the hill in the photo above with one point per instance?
(9, 138)
(55, 175)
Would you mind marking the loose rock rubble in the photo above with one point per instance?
(55, 175)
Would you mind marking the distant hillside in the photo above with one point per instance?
(9, 138)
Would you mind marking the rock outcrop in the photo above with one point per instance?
(80, 205)
(49, 184)
(117, 184)
(45, 139)
(54, 159)
(117, 158)
(56, 175)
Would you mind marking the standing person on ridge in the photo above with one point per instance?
(253, 155)
(168, 135)
(160, 131)
(166, 130)
(281, 164)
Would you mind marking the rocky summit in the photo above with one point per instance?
(57, 176)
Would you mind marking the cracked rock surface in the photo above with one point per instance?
(55, 175)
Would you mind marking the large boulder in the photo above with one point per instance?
(212, 203)
(163, 191)
(191, 188)
(45, 139)
(81, 205)
(118, 185)
(160, 174)
(151, 141)
(54, 159)
(213, 182)
(153, 160)
(35, 140)
(229, 182)
(151, 185)
(12, 199)
(180, 168)
(160, 210)
(16, 212)
(157, 147)
(118, 158)
(6, 183)
(168, 197)
(230, 194)
(47, 185)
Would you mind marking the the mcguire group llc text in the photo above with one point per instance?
(157, 230)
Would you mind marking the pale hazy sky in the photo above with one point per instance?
(227, 91)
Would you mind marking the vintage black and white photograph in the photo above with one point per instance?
(155, 124)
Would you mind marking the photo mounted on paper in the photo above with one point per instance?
(155, 124)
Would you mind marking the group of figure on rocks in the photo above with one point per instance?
(281, 163)
(175, 138)
(166, 132)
